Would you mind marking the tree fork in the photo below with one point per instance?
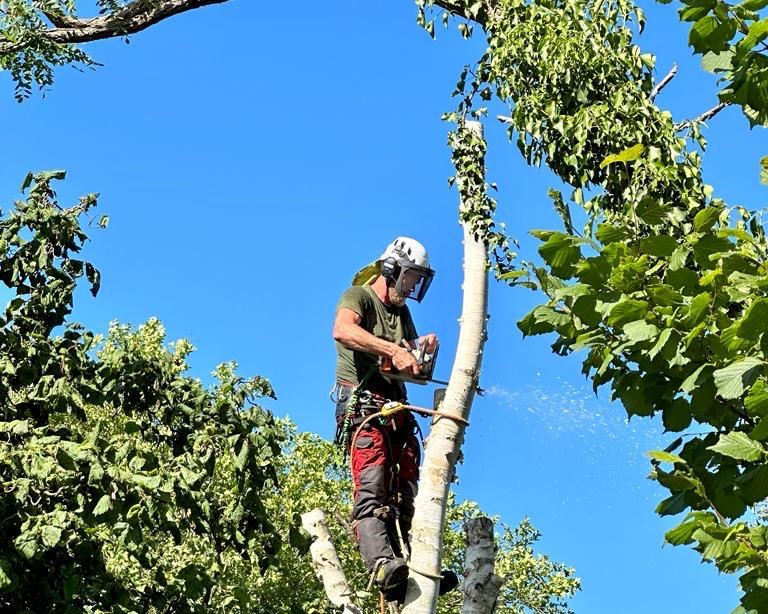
(446, 436)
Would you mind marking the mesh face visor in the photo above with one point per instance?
(413, 281)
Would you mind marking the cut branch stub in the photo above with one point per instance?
(480, 586)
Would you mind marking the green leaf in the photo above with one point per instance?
(665, 457)
(27, 544)
(5, 578)
(705, 249)
(627, 311)
(756, 400)
(739, 446)
(651, 211)
(708, 34)
(561, 253)
(512, 275)
(734, 379)
(658, 245)
(698, 308)
(692, 381)
(607, 234)
(678, 260)
(760, 432)
(754, 5)
(682, 533)
(764, 170)
(706, 218)
(103, 506)
(717, 62)
(753, 484)
(755, 320)
(672, 505)
(677, 416)
(660, 343)
(51, 535)
(627, 155)
(639, 330)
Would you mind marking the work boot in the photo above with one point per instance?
(448, 582)
(392, 579)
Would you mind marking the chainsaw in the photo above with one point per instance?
(425, 361)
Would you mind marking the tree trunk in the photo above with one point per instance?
(446, 435)
(481, 586)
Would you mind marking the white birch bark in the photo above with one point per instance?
(480, 586)
(326, 562)
(446, 435)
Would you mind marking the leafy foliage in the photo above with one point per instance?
(127, 486)
(730, 37)
(25, 52)
(310, 477)
(665, 287)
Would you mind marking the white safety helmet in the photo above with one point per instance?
(405, 265)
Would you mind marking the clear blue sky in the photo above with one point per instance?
(251, 158)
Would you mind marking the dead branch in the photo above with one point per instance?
(663, 83)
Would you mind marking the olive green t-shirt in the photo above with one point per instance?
(384, 321)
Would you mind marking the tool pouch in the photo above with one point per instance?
(343, 417)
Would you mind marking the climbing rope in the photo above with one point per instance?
(392, 407)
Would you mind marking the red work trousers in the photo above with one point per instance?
(385, 471)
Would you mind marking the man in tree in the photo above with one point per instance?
(374, 329)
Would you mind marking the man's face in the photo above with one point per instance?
(409, 280)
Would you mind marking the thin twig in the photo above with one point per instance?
(663, 83)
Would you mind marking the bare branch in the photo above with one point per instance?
(459, 9)
(706, 116)
(326, 562)
(663, 83)
(129, 19)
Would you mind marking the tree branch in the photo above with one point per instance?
(663, 83)
(326, 562)
(129, 19)
(706, 116)
(459, 9)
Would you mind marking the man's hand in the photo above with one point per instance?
(430, 341)
(405, 362)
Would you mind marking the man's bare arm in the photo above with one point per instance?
(348, 332)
